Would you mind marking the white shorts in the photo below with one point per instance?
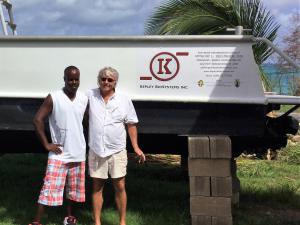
(115, 165)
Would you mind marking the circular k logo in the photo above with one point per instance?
(164, 66)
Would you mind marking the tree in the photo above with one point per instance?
(206, 17)
(291, 48)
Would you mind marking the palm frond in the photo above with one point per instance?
(213, 17)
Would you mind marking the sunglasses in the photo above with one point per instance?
(108, 79)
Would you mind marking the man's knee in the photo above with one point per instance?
(119, 184)
(98, 184)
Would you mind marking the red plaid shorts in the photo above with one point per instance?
(54, 182)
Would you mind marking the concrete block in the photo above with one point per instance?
(221, 186)
(200, 186)
(221, 220)
(201, 220)
(220, 147)
(210, 206)
(198, 147)
(209, 167)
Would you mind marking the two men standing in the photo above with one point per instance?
(109, 114)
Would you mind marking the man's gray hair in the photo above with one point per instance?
(112, 70)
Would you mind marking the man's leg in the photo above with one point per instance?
(54, 180)
(97, 197)
(39, 213)
(75, 188)
(121, 198)
(70, 219)
(69, 207)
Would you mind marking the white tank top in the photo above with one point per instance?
(66, 128)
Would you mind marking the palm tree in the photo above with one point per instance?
(206, 17)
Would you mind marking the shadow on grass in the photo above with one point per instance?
(21, 178)
(275, 206)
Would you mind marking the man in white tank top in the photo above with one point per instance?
(109, 114)
(65, 109)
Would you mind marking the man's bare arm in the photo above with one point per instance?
(132, 132)
(39, 124)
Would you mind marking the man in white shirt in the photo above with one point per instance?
(109, 115)
(65, 109)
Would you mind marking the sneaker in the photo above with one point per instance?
(70, 220)
(35, 223)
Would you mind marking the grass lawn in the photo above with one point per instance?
(285, 108)
(270, 193)
(158, 193)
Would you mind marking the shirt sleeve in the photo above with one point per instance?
(131, 114)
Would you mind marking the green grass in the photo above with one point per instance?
(158, 193)
(268, 187)
(290, 155)
(285, 108)
(270, 190)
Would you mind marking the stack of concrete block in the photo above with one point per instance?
(213, 183)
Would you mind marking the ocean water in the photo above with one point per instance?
(281, 82)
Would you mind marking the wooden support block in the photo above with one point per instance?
(221, 220)
(210, 206)
(221, 186)
(209, 167)
(200, 186)
(201, 220)
(198, 147)
(220, 147)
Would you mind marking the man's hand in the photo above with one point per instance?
(141, 156)
(56, 148)
(132, 131)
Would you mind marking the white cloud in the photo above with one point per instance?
(66, 2)
(22, 4)
(121, 4)
(46, 17)
(280, 4)
(99, 3)
(111, 17)
(51, 16)
(279, 8)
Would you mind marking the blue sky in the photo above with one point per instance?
(107, 17)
